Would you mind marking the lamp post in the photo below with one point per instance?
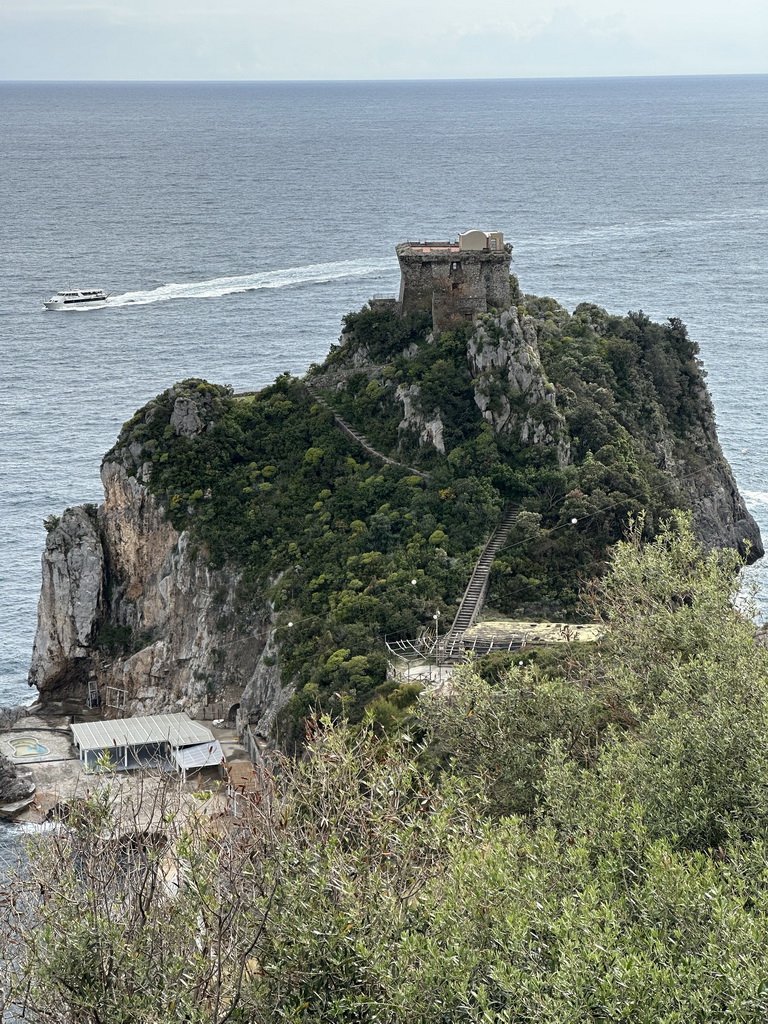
(436, 617)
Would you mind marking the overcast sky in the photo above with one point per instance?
(373, 39)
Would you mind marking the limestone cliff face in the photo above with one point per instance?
(428, 428)
(720, 517)
(129, 603)
(511, 390)
(70, 599)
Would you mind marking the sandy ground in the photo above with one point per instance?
(520, 632)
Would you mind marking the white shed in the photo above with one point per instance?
(146, 741)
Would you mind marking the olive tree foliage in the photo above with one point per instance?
(148, 907)
(669, 713)
(359, 890)
(691, 685)
(136, 907)
(671, 607)
(499, 735)
(568, 848)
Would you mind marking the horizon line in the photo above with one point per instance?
(367, 81)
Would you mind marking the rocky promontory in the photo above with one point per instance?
(250, 558)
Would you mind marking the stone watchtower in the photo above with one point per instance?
(456, 281)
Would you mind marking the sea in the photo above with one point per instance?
(234, 224)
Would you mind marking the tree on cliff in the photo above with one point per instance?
(588, 845)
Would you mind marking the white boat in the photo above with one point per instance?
(82, 298)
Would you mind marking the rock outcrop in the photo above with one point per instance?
(427, 427)
(11, 715)
(720, 517)
(130, 605)
(511, 389)
(70, 598)
(17, 791)
(135, 610)
(509, 384)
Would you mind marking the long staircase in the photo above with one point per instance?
(354, 435)
(474, 596)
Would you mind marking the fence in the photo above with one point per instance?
(252, 748)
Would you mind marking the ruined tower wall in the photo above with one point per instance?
(455, 285)
(419, 276)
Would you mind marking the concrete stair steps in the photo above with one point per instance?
(474, 595)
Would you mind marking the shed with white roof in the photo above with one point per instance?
(158, 741)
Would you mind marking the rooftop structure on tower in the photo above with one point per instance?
(455, 281)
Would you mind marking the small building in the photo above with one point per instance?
(169, 742)
(455, 281)
(481, 241)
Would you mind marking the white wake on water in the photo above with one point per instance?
(640, 229)
(316, 273)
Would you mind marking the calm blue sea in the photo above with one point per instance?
(235, 224)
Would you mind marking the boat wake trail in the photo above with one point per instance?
(316, 273)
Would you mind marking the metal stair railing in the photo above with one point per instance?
(349, 431)
(474, 595)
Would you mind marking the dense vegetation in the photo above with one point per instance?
(349, 550)
(561, 847)
(628, 389)
(335, 540)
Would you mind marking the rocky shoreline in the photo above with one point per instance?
(17, 790)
